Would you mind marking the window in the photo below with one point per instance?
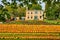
(40, 17)
(28, 17)
(40, 12)
(31, 12)
(36, 12)
(31, 17)
(43, 15)
(35, 17)
(28, 12)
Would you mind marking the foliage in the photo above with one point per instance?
(29, 22)
(36, 7)
(55, 22)
(2, 18)
(53, 12)
(52, 9)
(21, 11)
(4, 14)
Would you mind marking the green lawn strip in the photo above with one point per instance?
(52, 22)
(25, 39)
(28, 34)
(33, 22)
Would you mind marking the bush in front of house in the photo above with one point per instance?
(52, 22)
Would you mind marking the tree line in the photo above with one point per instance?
(17, 8)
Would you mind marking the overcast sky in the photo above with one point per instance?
(43, 5)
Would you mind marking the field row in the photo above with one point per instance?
(15, 28)
(28, 39)
(30, 35)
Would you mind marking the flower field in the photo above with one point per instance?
(29, 32)
(16, 28)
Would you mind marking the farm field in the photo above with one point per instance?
(27, 39)
(29, 32)
(16, 28)
(29, 36)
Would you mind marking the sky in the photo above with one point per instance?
(43, 5)
(0, 1)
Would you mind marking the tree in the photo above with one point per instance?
(36, 7)
(4, 2)
(1, 16)
(14, 7)
(4, 14)
(21, 12)
(50, 14)
(52, 8)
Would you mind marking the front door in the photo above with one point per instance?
(35, 17)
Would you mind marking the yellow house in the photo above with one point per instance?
(34, 15)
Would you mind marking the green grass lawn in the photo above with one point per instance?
(54, 22)
(28, 22)
(34, 22)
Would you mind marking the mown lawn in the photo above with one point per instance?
(29, 22)
(34, 22)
